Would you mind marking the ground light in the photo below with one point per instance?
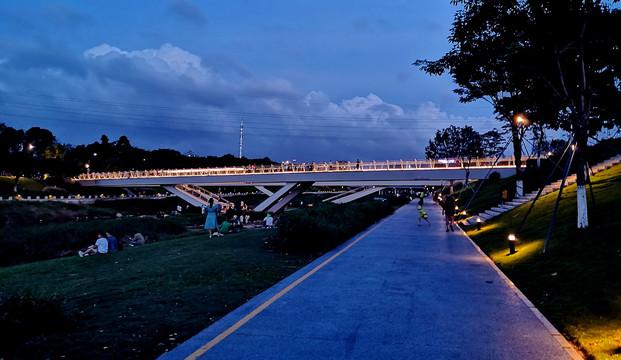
(511, 244)
(478, 224)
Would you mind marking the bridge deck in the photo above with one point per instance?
(388, 173)
(396, 291)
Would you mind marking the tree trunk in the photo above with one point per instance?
(582, 179)
(15, 187)
(583, 216)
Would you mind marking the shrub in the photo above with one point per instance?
(321, 228)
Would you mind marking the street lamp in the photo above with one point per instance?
(478, 223)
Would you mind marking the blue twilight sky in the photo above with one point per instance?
(311, 80)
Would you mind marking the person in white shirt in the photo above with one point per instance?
(268, 221)
(100, 247)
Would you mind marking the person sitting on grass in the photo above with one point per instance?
(100, 247)
(236, 224)
(138, 239)
(225, 227)
(113, 243)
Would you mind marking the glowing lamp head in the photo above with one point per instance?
(511, 237)
(479, 220)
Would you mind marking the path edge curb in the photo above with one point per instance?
(571, 350)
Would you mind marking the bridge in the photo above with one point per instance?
(363, 178)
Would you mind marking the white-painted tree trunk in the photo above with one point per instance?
(583, 214)
(519, 189)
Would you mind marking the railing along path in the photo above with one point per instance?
(305, 167)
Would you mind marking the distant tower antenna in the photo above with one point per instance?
(241, 138)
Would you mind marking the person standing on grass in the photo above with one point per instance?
(268, 221)
(449, 211)
(211, 222)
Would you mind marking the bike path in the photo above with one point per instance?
(396, 291)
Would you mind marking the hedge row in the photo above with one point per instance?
(322, 228)
(33, 243)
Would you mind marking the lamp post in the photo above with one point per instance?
(478, 223)
(518, 129)
(512, 239)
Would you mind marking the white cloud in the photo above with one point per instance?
(170, 97)
(165, 59)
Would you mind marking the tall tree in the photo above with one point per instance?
(485, 38)
(491, 143)
(574, 47)
(556, 60)
(463, 143)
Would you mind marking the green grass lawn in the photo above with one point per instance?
(137, 303)
(576, 284)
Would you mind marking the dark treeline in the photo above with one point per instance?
(36, 153)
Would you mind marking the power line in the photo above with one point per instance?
(202, 111)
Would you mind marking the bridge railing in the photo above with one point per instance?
(305, 167)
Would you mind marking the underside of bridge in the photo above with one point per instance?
(278, 200)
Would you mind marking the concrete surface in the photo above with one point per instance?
(395, 291)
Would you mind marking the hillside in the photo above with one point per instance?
(577, 283)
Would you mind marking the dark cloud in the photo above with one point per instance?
(371, 25)
(187, 11)
(42, 53)
(225, 65)
(62, 14)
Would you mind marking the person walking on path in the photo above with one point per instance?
(211, 221)
(449, 211)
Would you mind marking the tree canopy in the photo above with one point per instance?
(557, 61)
(35, 152)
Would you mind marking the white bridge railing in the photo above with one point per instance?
(305, 167)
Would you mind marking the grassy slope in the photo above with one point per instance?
(24, 184)
(577, 283)
(140, 302)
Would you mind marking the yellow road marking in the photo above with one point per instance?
(203, 349)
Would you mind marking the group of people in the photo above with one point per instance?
(232, 224)
(447, 202)
(110, 244)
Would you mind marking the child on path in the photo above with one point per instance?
(422, 215)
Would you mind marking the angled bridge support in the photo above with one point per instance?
(282, 197)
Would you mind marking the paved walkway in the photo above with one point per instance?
(395, 291)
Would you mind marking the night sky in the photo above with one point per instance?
(311, 80)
